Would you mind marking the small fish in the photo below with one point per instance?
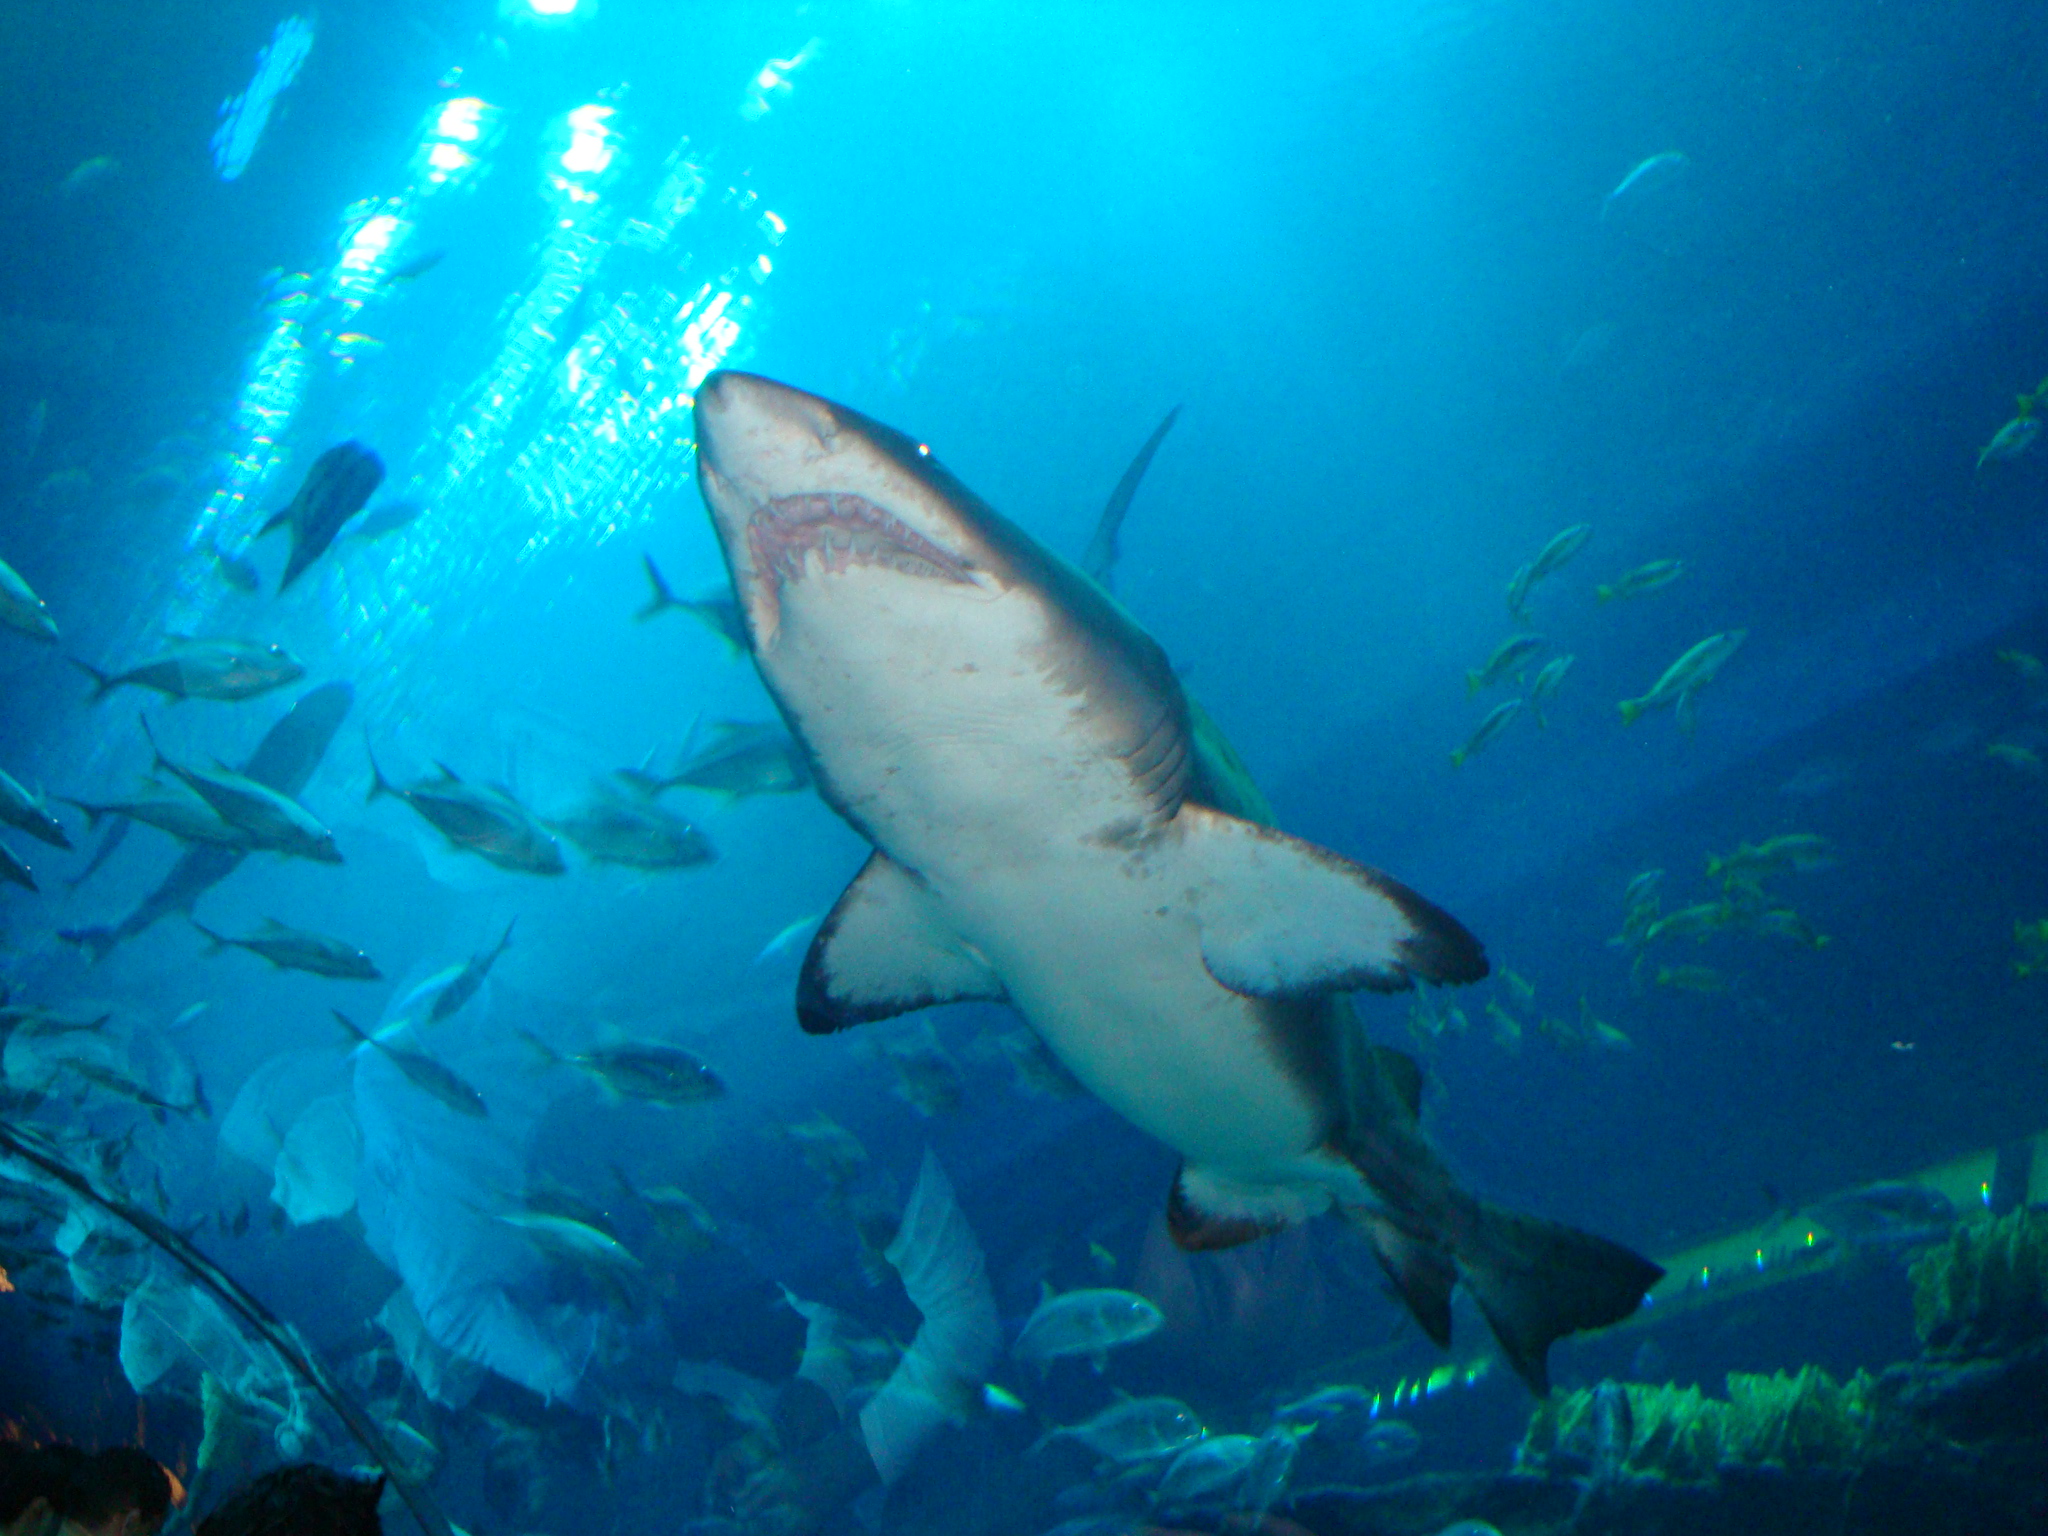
(295, 949)
(633, 831)
(13, 870)
(1103, 1260)
(468, 980)
(785, 942)
(423, 1072)
(1686, 676)
(1501, 717)
(21, 610)
(107, 1080)
(86, 175)
(272, 820)
(227, 671)
(1508, 657)
(1750, 863)
(829, 1149)
(1648, 577)
(743, 757)
(486, 821)
(419, 266)
(1134, 1429)
(676, 1216)
(1645, 174)
(1546, 684)
(578, 1242)
(926, 1077)
(1784, 923)
(1558, 552)
(653, 1074)
(1389, 1442)
(1521, 986)
(2011, 440)
(1326, 1403)
(1518, 592)
(1890, 1216)
(2032, 939)
(384, 518)
(19, 808)
(1086, 1323)
(2016, 757)
(188, 819)
(1208, 1466)
(716, 611)
(334, 490)
(1642, 889)
(1507, 1029)
(1693, 922)
(1702, 979)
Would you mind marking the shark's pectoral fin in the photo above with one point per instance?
(1208, 1210)
(885, 949)
(1283, 918)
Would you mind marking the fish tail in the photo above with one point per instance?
(94, 814)
(379, 785)
(1537, 1281)
(1473, 683)
(505, 942)
(1606, 594)
(103, 683)
(150, 736)
(662, 598)
(552, 1056)
(351, 1026)
(1631, 710)
(1458, 756)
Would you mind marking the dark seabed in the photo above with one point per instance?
(474, 1141)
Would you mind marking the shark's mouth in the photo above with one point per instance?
(846, 531)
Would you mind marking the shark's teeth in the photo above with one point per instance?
(843, 531)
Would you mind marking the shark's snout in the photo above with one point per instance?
(745, 419)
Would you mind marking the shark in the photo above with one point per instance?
(1055, 826)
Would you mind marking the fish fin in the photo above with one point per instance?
(451, 775)
(662, 598)
(277, 520)
(1632, 710)
(1045, 1292)
(351, 1026)
(94, 814)
(549, 1053)
(1402, 1073)
(1206, 1210)
(1283, 918)
(882, 951)
(1605, 593)
(1422, 1272)
(1538, 1280)
(1099, 561)
(379, 785)
(218, 941)
(104, 683)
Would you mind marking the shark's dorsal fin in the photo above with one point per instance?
(1282, 918)
(883, 950)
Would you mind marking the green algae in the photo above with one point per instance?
(1984, 1291)
(1801, 1422)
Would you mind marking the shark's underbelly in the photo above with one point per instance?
(1111, 978)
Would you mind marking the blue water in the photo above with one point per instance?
(1365, 249)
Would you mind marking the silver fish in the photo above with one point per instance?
(224, 670)
(272, 819)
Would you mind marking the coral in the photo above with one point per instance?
(1797, 1422)
(1985, 1291)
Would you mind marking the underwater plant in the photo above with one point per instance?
(1797, 1422)
(1984, 1291)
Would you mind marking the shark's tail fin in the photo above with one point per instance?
(662, 598)
(1538, 1280)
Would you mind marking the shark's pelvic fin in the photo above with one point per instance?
(1208, 1210)
(884, 950)
(1282, 918)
